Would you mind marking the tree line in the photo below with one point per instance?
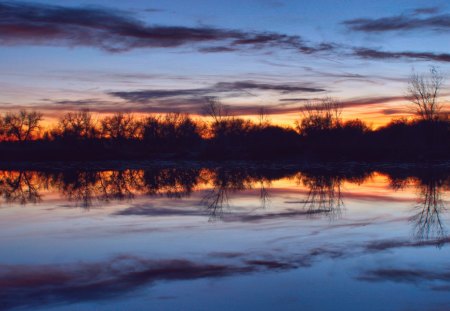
(319, 133)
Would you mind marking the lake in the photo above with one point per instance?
(193, 237)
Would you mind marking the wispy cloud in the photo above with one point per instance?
(404, 22)
(427, 10)
(375, 54)
(220, 88)
(116, 31)
(367, 101)
(192, 101)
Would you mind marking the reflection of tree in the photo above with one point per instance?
(85, 187)
(264, 195)
(171, 182)
(428, 222)
(224, 182)
(79, 187)
(324, 194)
(119, 185)
(215, 200)
(20, 187)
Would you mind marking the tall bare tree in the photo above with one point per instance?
(22, 125)
(263, 118)
(215, 109)
(79, 125)
(423, 92)
(320, 115)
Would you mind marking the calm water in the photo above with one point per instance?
(224, 239)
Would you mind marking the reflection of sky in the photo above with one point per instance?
(127, 253)
(54, 76)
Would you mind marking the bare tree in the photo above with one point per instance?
(322, 115)
(263, 119)
(79, 125)
(423, 92)
(121, 126)
(22, 125)
(215, 109)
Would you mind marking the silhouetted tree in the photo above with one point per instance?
(320, 116)
(215, 109)
(22, 125)
(263, 118)
(424, 94)
(174, 131)
(77, 125)
(121, 126)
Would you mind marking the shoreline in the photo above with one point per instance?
(229, 164)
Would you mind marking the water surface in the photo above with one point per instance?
(192, 238)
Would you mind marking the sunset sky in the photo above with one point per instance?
(162, 56)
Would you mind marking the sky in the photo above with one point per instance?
(168, 56)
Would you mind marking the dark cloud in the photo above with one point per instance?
(116, 31)
(236, 88)
(391, 111)
(439, 22)
(192, 101)
(355, 102)
(78, 103)
(427, 10)
(164, 105)
(146, 95)
(296, 99)
(367, 101)
(251, 85)
(383, 55)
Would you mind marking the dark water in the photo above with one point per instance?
(224, 239)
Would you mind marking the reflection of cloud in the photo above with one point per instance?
(145, 210)
(215, 212)
(437, 280)
(30, 286)
(116, 31)
(393, 244)
(403, 275)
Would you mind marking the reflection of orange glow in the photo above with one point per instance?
(27, 187)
